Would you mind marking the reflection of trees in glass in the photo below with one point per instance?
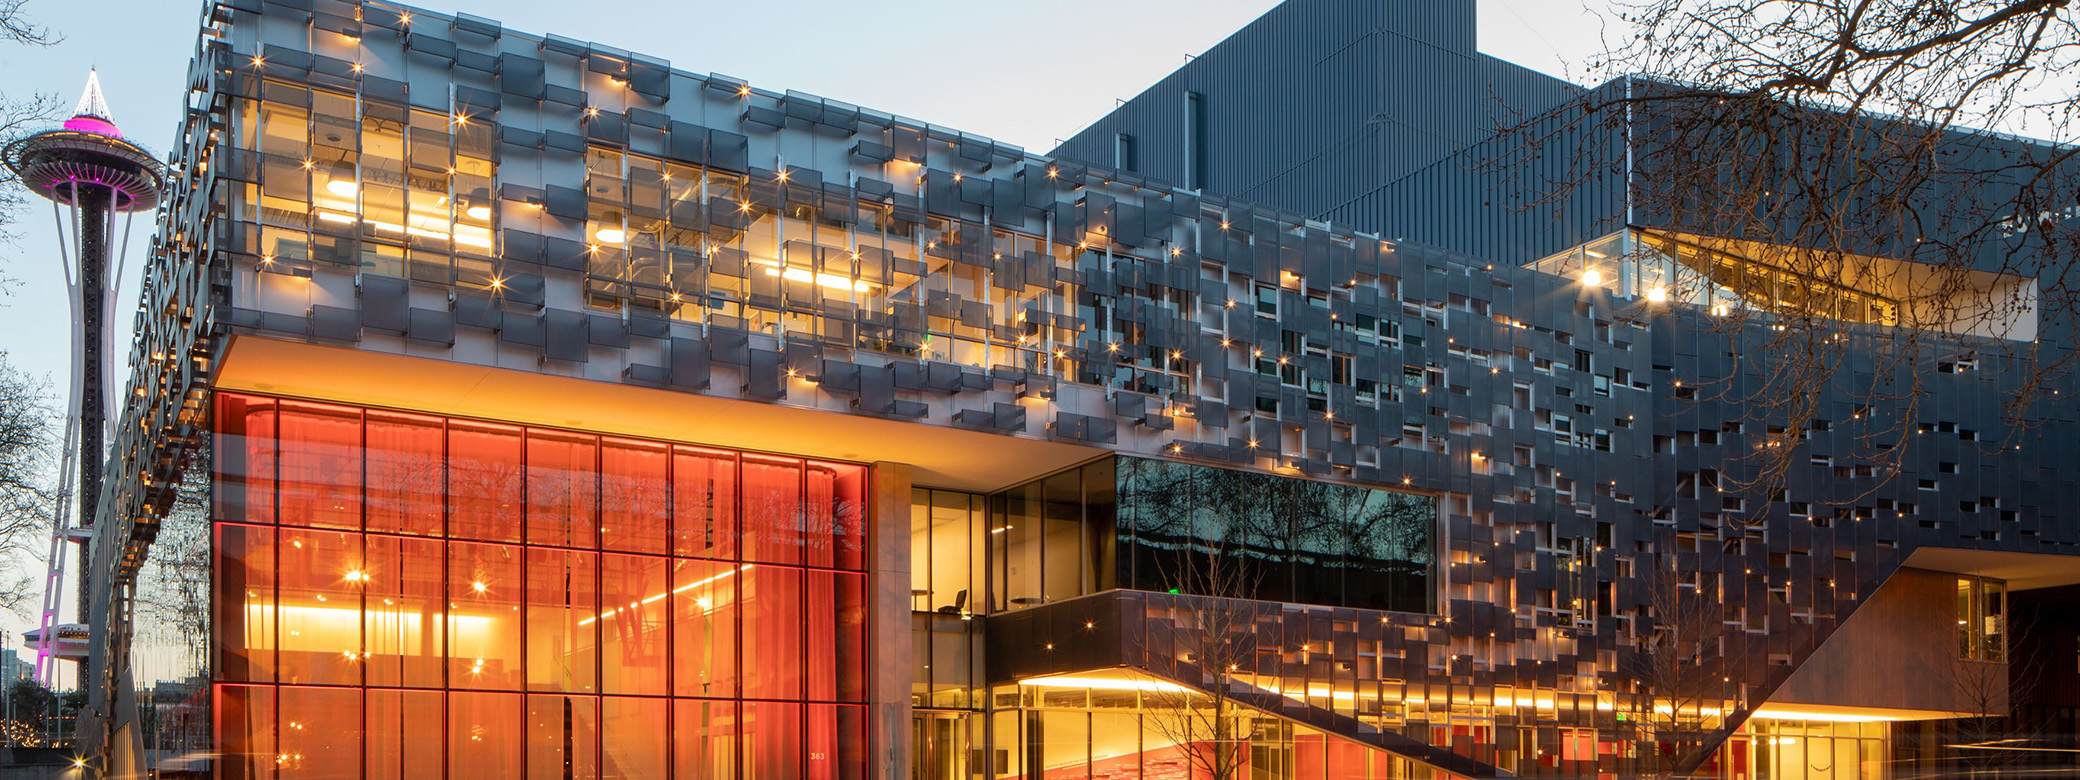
(484, 482)
(833, 515)
(1196, 531)
(561, 488)
(1226, 541)
(170, 619)
(405, 474)
(634, 495)
(1297, 540)
(770, 503)
(1373, 544)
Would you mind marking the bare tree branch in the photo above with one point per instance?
(1830, 178)
(28, 444)
(15, 26)
(1677, 669)
(20, 116)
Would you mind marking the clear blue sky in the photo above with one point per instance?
(871, 55)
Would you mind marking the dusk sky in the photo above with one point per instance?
(874, 55)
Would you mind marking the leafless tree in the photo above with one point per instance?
(1675, 670)
(1981, 688)
(1233, 542)
(1987, 687)
(1214, 641)
(15, 26)
(1221, 529)
(1849, 150)
(26, 440)
(27, 454)
(172, 598)
(18, 114)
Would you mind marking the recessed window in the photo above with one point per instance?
(1267, 301)
(1982, 619)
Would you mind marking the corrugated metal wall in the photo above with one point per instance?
(1320, 104)
(1511, 199)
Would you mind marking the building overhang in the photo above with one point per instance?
(2023, 571)
(1834, 713)
(942, 457)
(1905, 630)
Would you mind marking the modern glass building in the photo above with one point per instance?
(510, 406)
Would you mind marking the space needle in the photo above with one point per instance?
(90, 174)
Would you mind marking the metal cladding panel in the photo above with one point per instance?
(1463, 204)
(1319, 103)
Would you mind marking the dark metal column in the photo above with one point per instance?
(93, 203)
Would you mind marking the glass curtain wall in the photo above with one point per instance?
(352, 182)
(1154, 525)
(773, 253)
(947, 529)
(1768, 749)
(946, 538)
(1052, 538)
(1982, 617)
(1091, 727)
(1644, 266)
(406, 595)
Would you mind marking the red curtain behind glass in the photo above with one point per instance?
(245, 459)
(419, 596)
(405, 735)
(774, 526)
(634, 490)
(562, 489)
(405, 476)
(704, 503)
(320, 465)
(484, 481)
(403, 612)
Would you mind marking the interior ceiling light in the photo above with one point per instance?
(611, 235)
(344, 188)
(480, 213)
(832, 281)
(1104, 684)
